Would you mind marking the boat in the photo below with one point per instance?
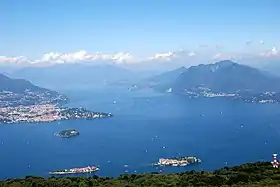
(88, 169)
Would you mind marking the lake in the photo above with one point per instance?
(146, 126)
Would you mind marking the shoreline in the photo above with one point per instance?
(46, 114)
(247, 174)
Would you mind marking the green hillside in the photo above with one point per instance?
(258, 174)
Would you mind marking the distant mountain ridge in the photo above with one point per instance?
(74, 75)
(226, 76)
(221, 79)
(161, 81)
(168, 77)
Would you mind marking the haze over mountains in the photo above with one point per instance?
(223, 76)
(64, 76)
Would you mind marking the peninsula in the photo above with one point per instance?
(21, 101)
(46, 113)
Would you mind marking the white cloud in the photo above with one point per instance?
(191, 54)
(8, 60)
(84, 56)
(271, 53)
(224, 56)
(216, 56)
(274, 51)
(180, 56)
(163, 56)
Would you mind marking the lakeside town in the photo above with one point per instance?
(45, 113)
(266, 97)
(28, 97)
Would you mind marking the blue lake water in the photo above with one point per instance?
(146, 126)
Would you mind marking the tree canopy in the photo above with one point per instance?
(257, 174)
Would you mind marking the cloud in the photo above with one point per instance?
(75, 57)
(175, 57)
(224, 56)
(163, 56)
(216, 56)
(84, 56)
(191, 54)
(180, 55)
(9, 60)
(271, 53)
(261, 42)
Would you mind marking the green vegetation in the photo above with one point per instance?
(68, 133)
(258, 174)
(75, 113)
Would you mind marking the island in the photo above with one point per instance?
(67, 133)
(88, 169)
(178, 161)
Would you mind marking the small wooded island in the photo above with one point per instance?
(67, 133)
(257, 174)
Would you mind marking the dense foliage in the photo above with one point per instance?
(251, 174)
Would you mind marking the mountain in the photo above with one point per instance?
(167, 77)
(18, 85)
(15, 92)
(74, 75)
(226, 76)
(272, 67)
(160, 81)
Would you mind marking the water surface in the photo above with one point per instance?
(146, 126)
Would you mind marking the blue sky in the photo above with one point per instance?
(34, 27)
